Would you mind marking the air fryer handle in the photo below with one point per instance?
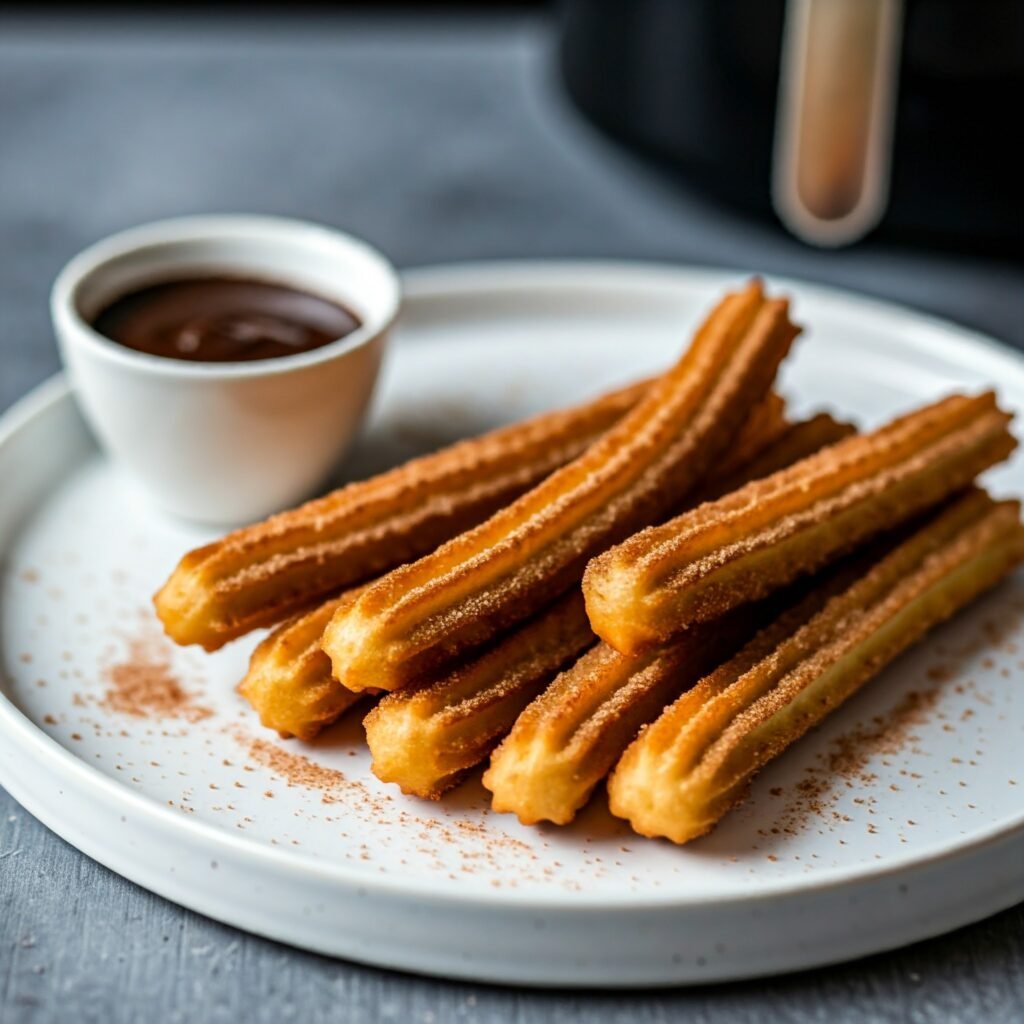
(833, 134)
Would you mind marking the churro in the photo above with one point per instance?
(264, 573)
(426, 736)
(739, 548)
(695, 762)
(788, 444)
(761, 430)
(568, 739)
(481, 583)
(289, 681)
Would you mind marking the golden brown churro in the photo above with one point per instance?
(452, 583)
(737, 549)
(697, 760)
(425, 737)
(765, 425)
(289, 681)
(568, 739)
(484, 581)
(263, 573)
(790, 443)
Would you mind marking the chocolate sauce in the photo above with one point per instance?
(223, 320)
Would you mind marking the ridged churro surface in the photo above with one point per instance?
(263, 573)
(570, 737)
(788, 444)
(424, 738)
(452, 722)
(762, 429)
(746, 544)
(684, 772)
(484, 581)
(289, 681)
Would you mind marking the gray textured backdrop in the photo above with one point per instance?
(438, 139)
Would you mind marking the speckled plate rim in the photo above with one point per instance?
(955, 344)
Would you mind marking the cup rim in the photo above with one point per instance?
(198, 228)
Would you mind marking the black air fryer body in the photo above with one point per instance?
(694, 83)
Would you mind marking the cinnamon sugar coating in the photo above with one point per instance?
(425, 737)
(263, 573)
(289, 681)
(791, 443)
(568, 739)
(762, 429)
(743, 546)
(685, 771)
(425, 614)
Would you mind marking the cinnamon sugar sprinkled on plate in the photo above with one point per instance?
(295, 769)
(845, 765)
(435, 836)
(144, 684)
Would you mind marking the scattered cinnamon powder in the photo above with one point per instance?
(295, 769)
(886, 734)
(845, 765)
(145, 686)
(433, 834)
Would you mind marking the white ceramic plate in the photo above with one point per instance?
(901, 818)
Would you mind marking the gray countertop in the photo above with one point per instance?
(438, 139)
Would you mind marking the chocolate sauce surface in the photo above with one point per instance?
(223, 320)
